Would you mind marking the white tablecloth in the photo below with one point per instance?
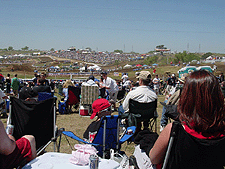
(52, 160)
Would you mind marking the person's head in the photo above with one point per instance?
(8, 75)
(67, 84)
(156, 76)
(144, 78)
(91, 77)
(201, 104)
(43, 75)
(101, 107)
(15, 75)
(104, 75)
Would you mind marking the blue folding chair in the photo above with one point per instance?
(107, 136)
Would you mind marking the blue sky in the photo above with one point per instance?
(106, 25)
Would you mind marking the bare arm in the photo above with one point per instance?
(7, 145)
(158, 152)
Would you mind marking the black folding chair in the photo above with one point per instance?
(34, 118)
(142, 112)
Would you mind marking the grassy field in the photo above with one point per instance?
(78, 124)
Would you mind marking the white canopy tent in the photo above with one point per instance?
(127, 66)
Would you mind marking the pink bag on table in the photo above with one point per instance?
(82, 154)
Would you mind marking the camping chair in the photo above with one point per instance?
(73, 99)
(88, 95)
(171, 111)
(107, 136)
(44, 96)
(187, 151)
(142, 112)
(121, 95)
(34, 118)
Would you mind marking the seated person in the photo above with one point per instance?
(101, 107)
(27, 93)
(90, 81)
(201, 115)
(12, 152)
(65, 89)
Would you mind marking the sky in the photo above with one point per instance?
(108, 25)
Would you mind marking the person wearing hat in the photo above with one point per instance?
(143, 93)
(112, 87)
(101, 107)
(90, 81)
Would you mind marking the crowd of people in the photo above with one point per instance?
(103, 58)
(198, 96)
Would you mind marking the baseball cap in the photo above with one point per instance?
(99, 105)
(91, 77)
(104, 73)
(144, 75)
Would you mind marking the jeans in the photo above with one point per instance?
(120, 110)
(164, 119)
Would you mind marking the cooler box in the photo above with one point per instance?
(84, 110)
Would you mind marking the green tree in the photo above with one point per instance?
(25, 48)
(118, 51)
(185, 57)
(10, 48)
(161, 47)
(206, 55)
(52, 49)
(151, 60)
(117, 63)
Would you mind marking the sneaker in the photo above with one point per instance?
(161, 128)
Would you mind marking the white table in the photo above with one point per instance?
(52, 160)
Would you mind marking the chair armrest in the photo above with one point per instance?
(127, 135)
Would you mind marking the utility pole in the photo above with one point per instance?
(188, 47)
(124, 48)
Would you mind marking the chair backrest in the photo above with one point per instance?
(107, 135)
(73, 95)
(44, 96)
(89, 94)
(121, 94)
(33, 118)
(188, 151)
(146, 110)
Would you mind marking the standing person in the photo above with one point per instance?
(8, 83)
(124, 78)
(169, 84)
(202, 120)
(156, 83)
(143, 93)
(43, 81)
(112, 88)
(13, 152)
(15, 85)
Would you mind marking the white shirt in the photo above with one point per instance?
(156, 82)
(124, 78)
(90, 82)
(109, 82)
(142, 94)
